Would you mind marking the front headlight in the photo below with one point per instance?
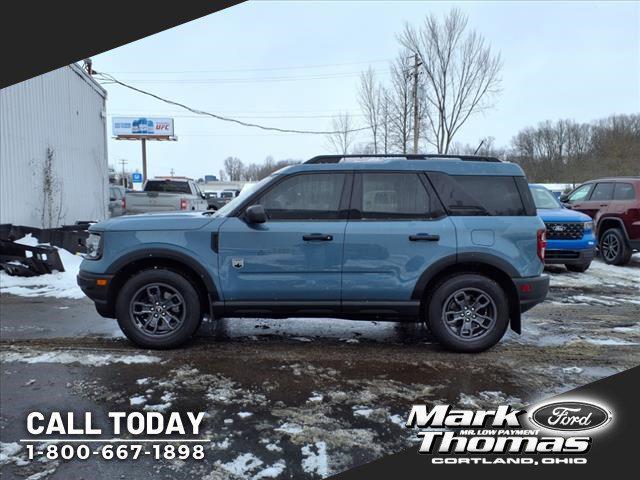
(94, 246)
(588, 226)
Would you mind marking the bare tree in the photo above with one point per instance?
(461, 72)
(385, 120)
(343, 137)
(369, 99)
(401, 101)
(234, 168)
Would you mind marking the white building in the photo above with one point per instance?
(53, 150)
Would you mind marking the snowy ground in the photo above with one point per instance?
(57, 284)
(295, 398)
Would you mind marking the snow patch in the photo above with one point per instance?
(9, 452)
(609, 341)
(290, 428)
(362, 412)
(137, 400)
(316, 461)
(241, 465)
(398, 420)
(66, 357)
(162, 407)
(572, 370)
(272, 471)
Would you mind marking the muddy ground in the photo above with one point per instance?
(298, 398)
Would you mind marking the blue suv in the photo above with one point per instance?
(570, 234)
(451, 241)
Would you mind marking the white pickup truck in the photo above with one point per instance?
(166, 195)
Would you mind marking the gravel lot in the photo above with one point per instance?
(297, 398)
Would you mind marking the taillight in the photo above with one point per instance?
(542, 243)
(183, 204)
(124, 203)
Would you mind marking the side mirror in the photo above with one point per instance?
(112, 199)
(255, 214)
(564, 198)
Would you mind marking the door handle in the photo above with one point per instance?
(424, 237)
(604, 205)
(317, 237)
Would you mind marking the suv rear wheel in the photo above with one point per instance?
(614, 247)
(468, 313)
(158, 309)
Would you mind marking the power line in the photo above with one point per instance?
(262, 69)
(240, 80)
(111, 79)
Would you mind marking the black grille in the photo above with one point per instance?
(564, 231)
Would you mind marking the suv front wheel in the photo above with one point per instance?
(468, 313)
(158, 308)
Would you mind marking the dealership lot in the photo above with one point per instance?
(300, 398)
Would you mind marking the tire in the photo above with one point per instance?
(578, 267)
(614, 248)
(446, 297)
(176, 321)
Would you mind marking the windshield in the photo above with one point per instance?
(231, 206)
(543, 198)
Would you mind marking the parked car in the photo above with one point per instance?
(454, 242)
(212, 200)
(614, 205)
(117, 201)
(167, 195)
(570, 234)
(227, 195)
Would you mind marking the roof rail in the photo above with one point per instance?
(402, 156)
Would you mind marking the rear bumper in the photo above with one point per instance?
(569, 257)
(88, 283)
(531, 290)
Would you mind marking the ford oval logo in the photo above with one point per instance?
(570, 416)
(559, 228)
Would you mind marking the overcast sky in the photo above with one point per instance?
(295, 64)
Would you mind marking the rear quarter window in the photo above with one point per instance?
(624, 191)
(483, 195)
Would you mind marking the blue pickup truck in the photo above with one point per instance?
(451, 241)
(570, 234)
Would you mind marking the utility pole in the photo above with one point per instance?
(172, 171)
(144, 159)
(416, 120)
(123, 162)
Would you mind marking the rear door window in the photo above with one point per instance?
(601, 192)
(394, 196)
(479, 195)
(624, 191)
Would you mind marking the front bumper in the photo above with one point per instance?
(96, 287)
(531, 290)
(569, 257)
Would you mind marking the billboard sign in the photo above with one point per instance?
(136, 177)
(142, 127)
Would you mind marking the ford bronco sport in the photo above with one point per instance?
(454, 242)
